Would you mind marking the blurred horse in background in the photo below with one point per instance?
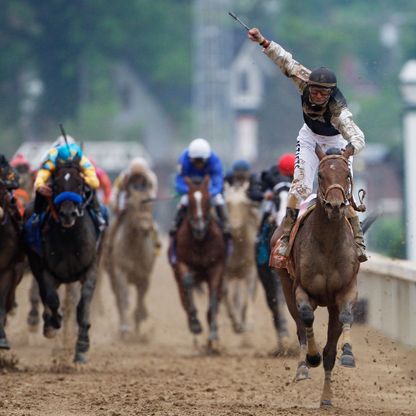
(323, 268)
(132, 243)
(240, 273)
(200, 257)
(11, 259)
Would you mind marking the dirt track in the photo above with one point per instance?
(165, 374)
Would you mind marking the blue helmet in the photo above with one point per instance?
(69, 152)
(241, 166)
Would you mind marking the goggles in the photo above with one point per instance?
(323, 92)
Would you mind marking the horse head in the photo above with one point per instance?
(239, 208)
(68, 191)
(334, 181)
(199, 206)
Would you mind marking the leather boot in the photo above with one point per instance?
(288, 222)
(180, 215)
(223, 217)
(359, 238)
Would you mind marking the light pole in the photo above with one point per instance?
(408, 88)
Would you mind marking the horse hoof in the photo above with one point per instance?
(326, 403)
(33, 320)
(4, 344)
(213, 347)
(347, 360)
(313, 360)
(49, 332)
(195, 326)
(80, 358)
(238, 329)
(302, 373)
(82, 346)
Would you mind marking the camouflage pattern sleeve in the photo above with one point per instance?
(289, 66)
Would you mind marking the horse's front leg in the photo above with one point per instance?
(6, 284)
(185, 283)
(230, 288)
(140, 313)
(346, 302)
(250, 283)
(306, 308)
(34, 299)
(215, 277)
(83, 315)
(330, 352)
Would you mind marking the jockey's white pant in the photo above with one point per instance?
(307, 162)
(215, 200)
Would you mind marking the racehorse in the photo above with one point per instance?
(273, 213)
(325, 266)
(69, 248)
(240, 273)
(11, 260)
(130, 250)
(200, 256)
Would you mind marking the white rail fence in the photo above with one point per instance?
(389, 286)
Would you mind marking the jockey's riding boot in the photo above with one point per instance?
(180, 215)
(359, 238)
(38, 208)
(101, 221)
(287, 224)
(223, 217)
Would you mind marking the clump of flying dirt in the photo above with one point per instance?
(62, 361)
(8, 362)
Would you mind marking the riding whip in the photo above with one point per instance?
(238, 20)
(64, 134)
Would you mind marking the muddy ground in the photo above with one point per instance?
(165, 371)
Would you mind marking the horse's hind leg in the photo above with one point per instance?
(34, 299)
(83, 315)
(330, 351)
(214, 284)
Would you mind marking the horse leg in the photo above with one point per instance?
(34, 299)
(52, 319)
(185, 283)
(215, 277)
(345, 303)
(83, 315)
(140, 313)
(329, 354)
(302, 371)
(120, 287)
(230, 288)
(6, 283)
(306, 313)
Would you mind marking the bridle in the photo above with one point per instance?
(347, 194)
(199, 226)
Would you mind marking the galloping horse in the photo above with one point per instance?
(11, 261)
(240, 273)
(325, 267)
(130, 250)
(200, 256)
(68, 253)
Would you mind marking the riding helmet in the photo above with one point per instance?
(69, 152)
(322, 77)
(286, 164)
(241, 166)
(199, 149)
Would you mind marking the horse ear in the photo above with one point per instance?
(349, 151)
(188, 181)
(205, 181)
(319, 152)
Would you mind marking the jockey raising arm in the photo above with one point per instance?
(327, 122)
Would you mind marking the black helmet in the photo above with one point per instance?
(323, 77)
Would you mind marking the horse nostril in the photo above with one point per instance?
(328, 205)
(342, 206)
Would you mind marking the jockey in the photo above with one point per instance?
(197, 161)
(26, 178)
(64, 153)
(10, 179)
(328, 122)
(240, 172)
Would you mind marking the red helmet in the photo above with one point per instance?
(286, 164)
(19, 160)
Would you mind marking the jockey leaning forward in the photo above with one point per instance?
(65, 153)
(198, 161)
(328, 122)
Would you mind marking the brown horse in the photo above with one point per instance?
(200, 256)
(325, 267)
